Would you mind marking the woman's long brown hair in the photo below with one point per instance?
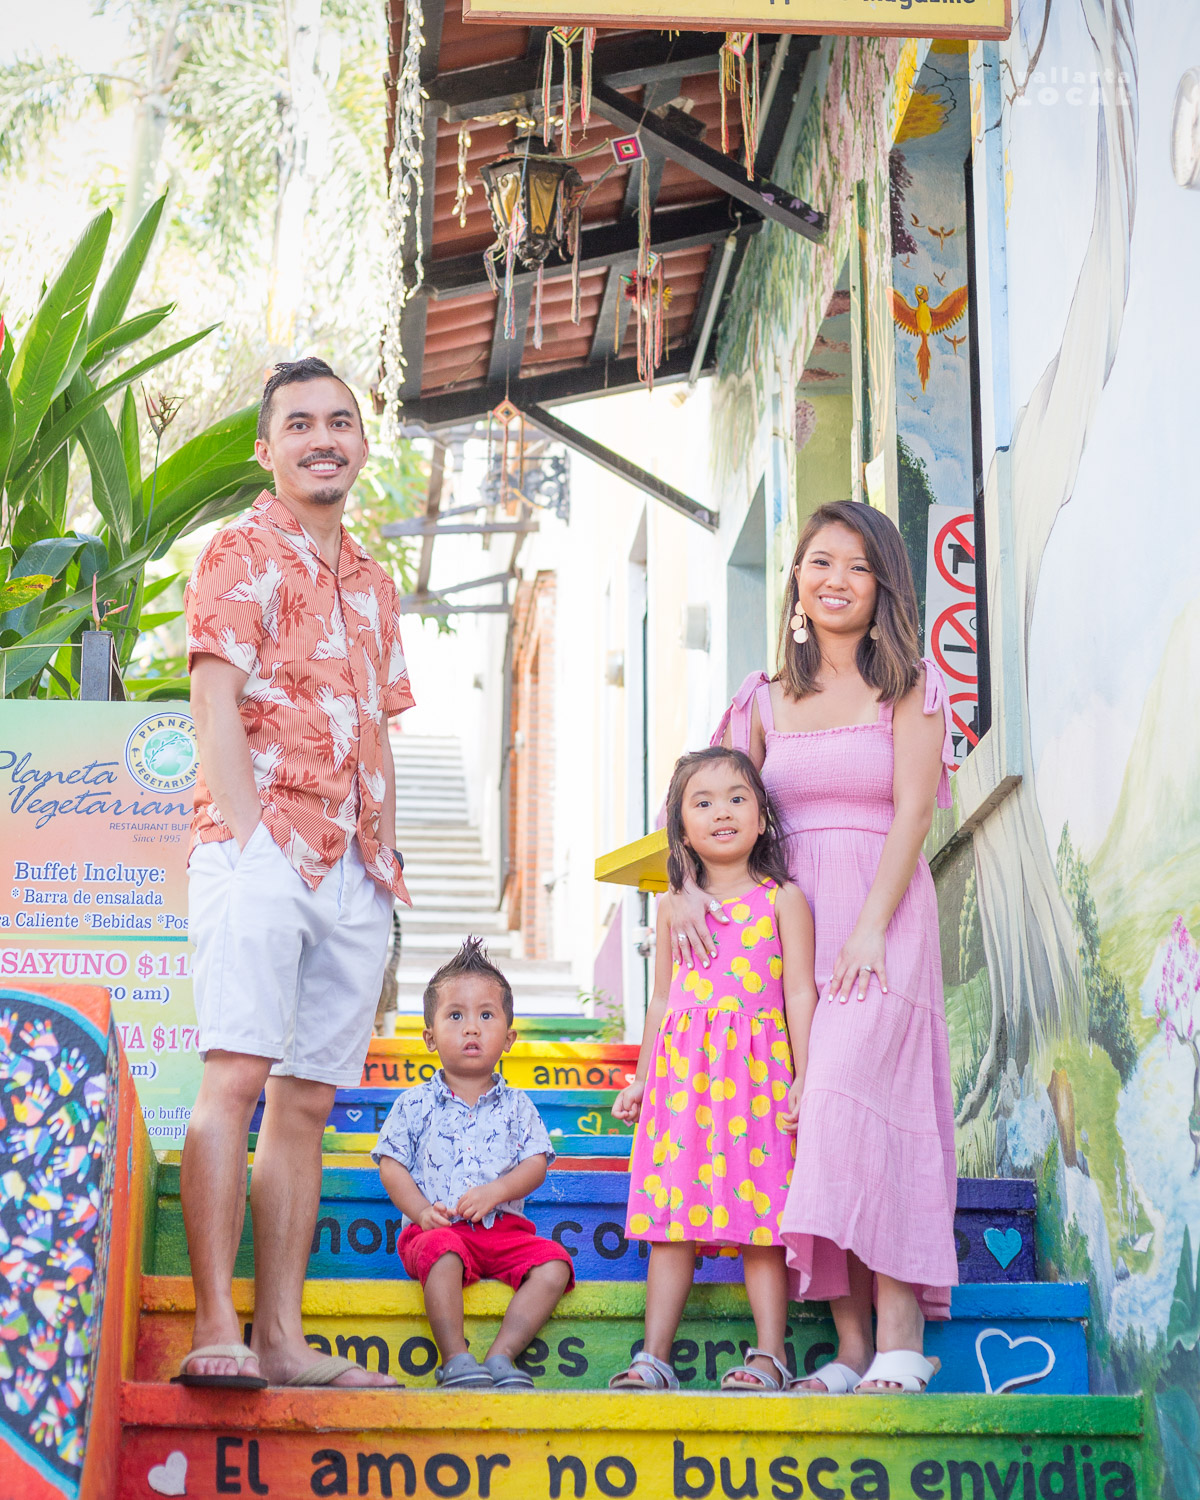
(889, 665)
(766, 861)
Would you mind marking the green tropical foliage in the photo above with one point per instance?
(1108, 1009)
(64, 402)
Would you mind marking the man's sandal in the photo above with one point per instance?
(238, 1353)
(329, 1368)
(906, 1368)
(463, 1372)
(838, 1380)
(646, 1372)
(760, 1380)
(505, 1375)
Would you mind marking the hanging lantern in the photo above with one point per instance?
(527, 193)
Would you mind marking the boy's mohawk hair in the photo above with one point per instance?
(471, 958)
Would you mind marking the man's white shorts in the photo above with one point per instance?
(282, 971)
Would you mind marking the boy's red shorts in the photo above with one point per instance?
(506, 1252)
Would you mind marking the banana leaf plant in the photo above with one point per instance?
(67, 396)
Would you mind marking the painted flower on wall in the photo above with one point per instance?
(1175, 1005)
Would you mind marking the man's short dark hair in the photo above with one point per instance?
(470, 959)
(296, 372)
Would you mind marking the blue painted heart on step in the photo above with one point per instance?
(1009, 1363)
(1005, 1245)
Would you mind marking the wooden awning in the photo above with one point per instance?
(662, 85)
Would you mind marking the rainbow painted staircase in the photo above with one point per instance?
(112, 1340)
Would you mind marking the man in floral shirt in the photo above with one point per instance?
(296, 665)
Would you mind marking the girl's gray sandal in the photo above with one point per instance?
(505, 1375)
(646, 1372)
(760, 1380)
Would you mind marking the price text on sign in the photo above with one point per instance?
(960, 18)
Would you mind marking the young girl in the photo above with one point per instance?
(715, 1084)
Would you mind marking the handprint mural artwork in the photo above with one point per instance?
(1176, 1007)
(55, 1093)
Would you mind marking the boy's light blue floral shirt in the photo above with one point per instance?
(449, 1146)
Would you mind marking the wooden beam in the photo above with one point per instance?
(670, 230)
(436, 595)
(617, 464)
(433, 13)
(418, 526)
(412, 319)
(770, 200)
(443, 409)
(625, 62)
(433, 501)
(505, 361)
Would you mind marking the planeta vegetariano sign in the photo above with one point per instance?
(916, 18)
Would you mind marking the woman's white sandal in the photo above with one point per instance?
(907, 1368)
(653, 1374)
(838, 1380)
(760, 1380)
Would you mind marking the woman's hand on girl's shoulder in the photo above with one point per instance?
(686, 913)
(627, 1106)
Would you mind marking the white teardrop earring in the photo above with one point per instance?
(799, 626)
(874, 632)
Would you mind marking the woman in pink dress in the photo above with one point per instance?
(853, 739)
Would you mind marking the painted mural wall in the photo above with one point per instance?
(1071, 919)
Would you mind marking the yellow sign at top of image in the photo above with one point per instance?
(956, 18)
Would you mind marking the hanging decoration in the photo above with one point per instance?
(651, 297)
(536, 200)
(739, 75)
(566, 37)
(464, 189)
(499, 456)
(406, 190)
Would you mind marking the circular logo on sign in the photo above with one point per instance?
(160, 754)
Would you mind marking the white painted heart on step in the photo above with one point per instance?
(169, 1478)
(1014, 1380)
(354, 1115)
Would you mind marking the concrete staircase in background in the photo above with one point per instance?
(453, 885)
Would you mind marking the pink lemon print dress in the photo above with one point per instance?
(709, 1161)
(875, 1167)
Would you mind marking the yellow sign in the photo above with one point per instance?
(933, 18)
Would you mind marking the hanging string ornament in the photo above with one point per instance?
(504, 416)
(566, 37)
(406, 191)
(464, 189)
(651, 297)
(739, 75)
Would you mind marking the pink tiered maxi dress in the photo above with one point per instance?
(875, 1168)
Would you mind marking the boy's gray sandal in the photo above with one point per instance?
(646, 1372)
(505, 1375)
(463, 1372)
(759, 1380)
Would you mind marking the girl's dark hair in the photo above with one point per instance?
(471, 958)
(766, 860)
(889, 665)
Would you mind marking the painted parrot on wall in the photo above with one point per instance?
(922, 321)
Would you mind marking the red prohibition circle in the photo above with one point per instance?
(954, 527)
(964, 725)
(950, 618)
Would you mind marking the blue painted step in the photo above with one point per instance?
(573, 1111)
(358, 1226)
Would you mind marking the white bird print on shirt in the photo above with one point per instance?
(371, 704)
(263, 690)
(261, 589)
(266, 767)
(304, 857)
(397, 667)
(346, 817)
(334, 646)
(367, 605)
(302, 547)
(374, 783)
(240, 653)
(339, 711)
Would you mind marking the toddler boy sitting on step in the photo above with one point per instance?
(458, 1156)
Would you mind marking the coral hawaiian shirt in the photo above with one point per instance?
(449, 1146)
(326, 669)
